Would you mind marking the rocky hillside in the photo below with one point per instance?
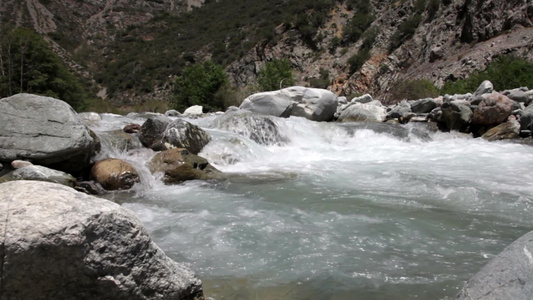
(131, 49)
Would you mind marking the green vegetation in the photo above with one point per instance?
(202, 84)
(506, 72)
(359, 23)
(28, 65)
(413, 89)
(322, 82)
(405, 31)
(275, 74)
(357, 60)
(141, 58)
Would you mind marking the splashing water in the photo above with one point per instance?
(339, 211)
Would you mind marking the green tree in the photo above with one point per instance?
(28, 65)
(201, 84)
(275, 74)
(413, 90)
(506, 72)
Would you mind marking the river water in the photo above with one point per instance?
(331, 211)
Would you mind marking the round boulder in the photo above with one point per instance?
(180, 165)
(182, 134)
(359, 112)
(114, 174)
(494, 109)
(58, 243)
(45, 131)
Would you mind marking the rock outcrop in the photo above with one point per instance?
(57, 243)
(507, 276)
(45, 131)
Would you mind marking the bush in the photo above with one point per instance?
(360, 22)
(413, 90)
(506, 72)
(199, 85)
(274, 74)
(357, 60)
(322, 82)
(406, 30)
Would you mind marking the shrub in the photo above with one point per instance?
(359, 23)
(199, 85)
(412, 90)
(357, 60)
(405, 31)
(322, 82)
(506, 72)
(274, 74)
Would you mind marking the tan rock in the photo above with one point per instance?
(180, 165)
(114, 174)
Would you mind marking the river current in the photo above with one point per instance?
(334, 211)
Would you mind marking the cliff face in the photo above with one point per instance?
(438, 40)
(460, 37)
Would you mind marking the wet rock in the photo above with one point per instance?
(132, 128)
(504, 131)
(359, 112)
(507, 276)
(494, 109)
(182, 134)
(118, 141)
(63, 244)
(273, 103)
(180, 165)
(195, 110)
(366, 98)
(485, 87)
(39, 173)
(400, 110)
(114, 174)
(172, 113)
(89, 188)
(455, 115)
(17, 164)
(45, 131)
(161, 133)
(423, 106)
(313, 104)
(259, 128)
(526, 118)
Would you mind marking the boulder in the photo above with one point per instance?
(518, 95)
(114, 174)
(455, 115)
(117, 141)
(423, 106)
(494, 109)
(359, 112)
(366, 98)
(182, 134)
(195, 110)
(509, 275)
(273, 103)
(400, 110)
(172, 113)
(132, 128)
(259, 128)
(17, 164)
(312, 104)
(504, 131)
(180, 165)
(39, 173)
(485, 87)
(526, 118)
(58, 243)
(161, 133)
(45, 131)
(152, 130)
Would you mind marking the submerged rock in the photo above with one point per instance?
(180, 165)
(114, 174)
(63, 244)
(39, 173)
(45, 131)
(509, 275)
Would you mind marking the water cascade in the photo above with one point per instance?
(332, 211)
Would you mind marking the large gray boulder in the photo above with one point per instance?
(259, 128)
(485, 87)
(454, 115)
(507, 276)
(311, 103)
(359, 112)
(39, 173)
(57, 243)
(45, 131)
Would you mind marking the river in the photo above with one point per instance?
(336, 211)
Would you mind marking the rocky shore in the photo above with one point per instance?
(47, 152)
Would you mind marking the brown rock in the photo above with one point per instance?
(132, 128)
(504, 131)
(494, 109)
(179, 165)
(114, 174)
